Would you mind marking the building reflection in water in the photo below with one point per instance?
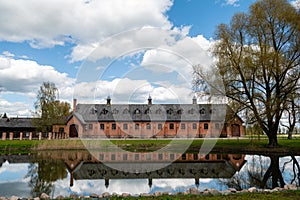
(83, 166)
(46, 167)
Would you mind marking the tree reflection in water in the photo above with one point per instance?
(264, 172)
(296, 170)
(43, 173)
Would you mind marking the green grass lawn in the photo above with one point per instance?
(17, 146)
(220, 145)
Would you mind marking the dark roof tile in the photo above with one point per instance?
(155, 112)
(16, 123)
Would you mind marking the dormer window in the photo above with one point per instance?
(126, 111)
(93, 110)
(115, 111)
(158, 111)
(191, 111)
(104, 111)
(213, 111)
(170, 111)
(202, 111)
(137, 111)
(147, 111)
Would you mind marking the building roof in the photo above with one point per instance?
(16, 123)
(216, 169)
(153, 112)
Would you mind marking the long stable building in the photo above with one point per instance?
(153, 120)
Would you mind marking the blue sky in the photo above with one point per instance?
(54, 40)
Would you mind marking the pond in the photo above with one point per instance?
(78, 172)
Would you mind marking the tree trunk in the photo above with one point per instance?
(274, 171)
(290, 135)
(272, 140)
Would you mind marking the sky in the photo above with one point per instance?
(127, 49)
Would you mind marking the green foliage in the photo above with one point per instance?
(49, 110)
(254, 129)
(36, 184)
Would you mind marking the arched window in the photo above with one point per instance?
(148, 126)
(159, 126)
(194, 126)
(205, 126)
(171, 126)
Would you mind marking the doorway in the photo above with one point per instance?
(73, 130)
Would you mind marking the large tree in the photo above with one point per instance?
(258, 56)
(48, 109)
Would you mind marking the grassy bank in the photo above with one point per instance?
(17, 146)
(219, 146)
(248, 146)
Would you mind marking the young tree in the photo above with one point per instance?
(48, 109)
(258, 58)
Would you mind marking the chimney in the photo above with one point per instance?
(194, 100)
(149, 100)
(108, 101)
(106, 182)
(74, 105)
(71, 180)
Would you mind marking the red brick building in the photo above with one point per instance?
(153, 120)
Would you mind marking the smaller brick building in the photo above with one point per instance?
(153, 120)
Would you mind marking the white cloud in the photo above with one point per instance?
(48, 23)
(166, 58)
(129, 41)
(172, 49)
(296, 4)
(232, 3)
(130, 91)
(6, 167)
(15, 108)
(204, 43)
(8, 54)
(20, 81)
(180, 57)
(23, 76)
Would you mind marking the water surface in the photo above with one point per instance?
(77, 172)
